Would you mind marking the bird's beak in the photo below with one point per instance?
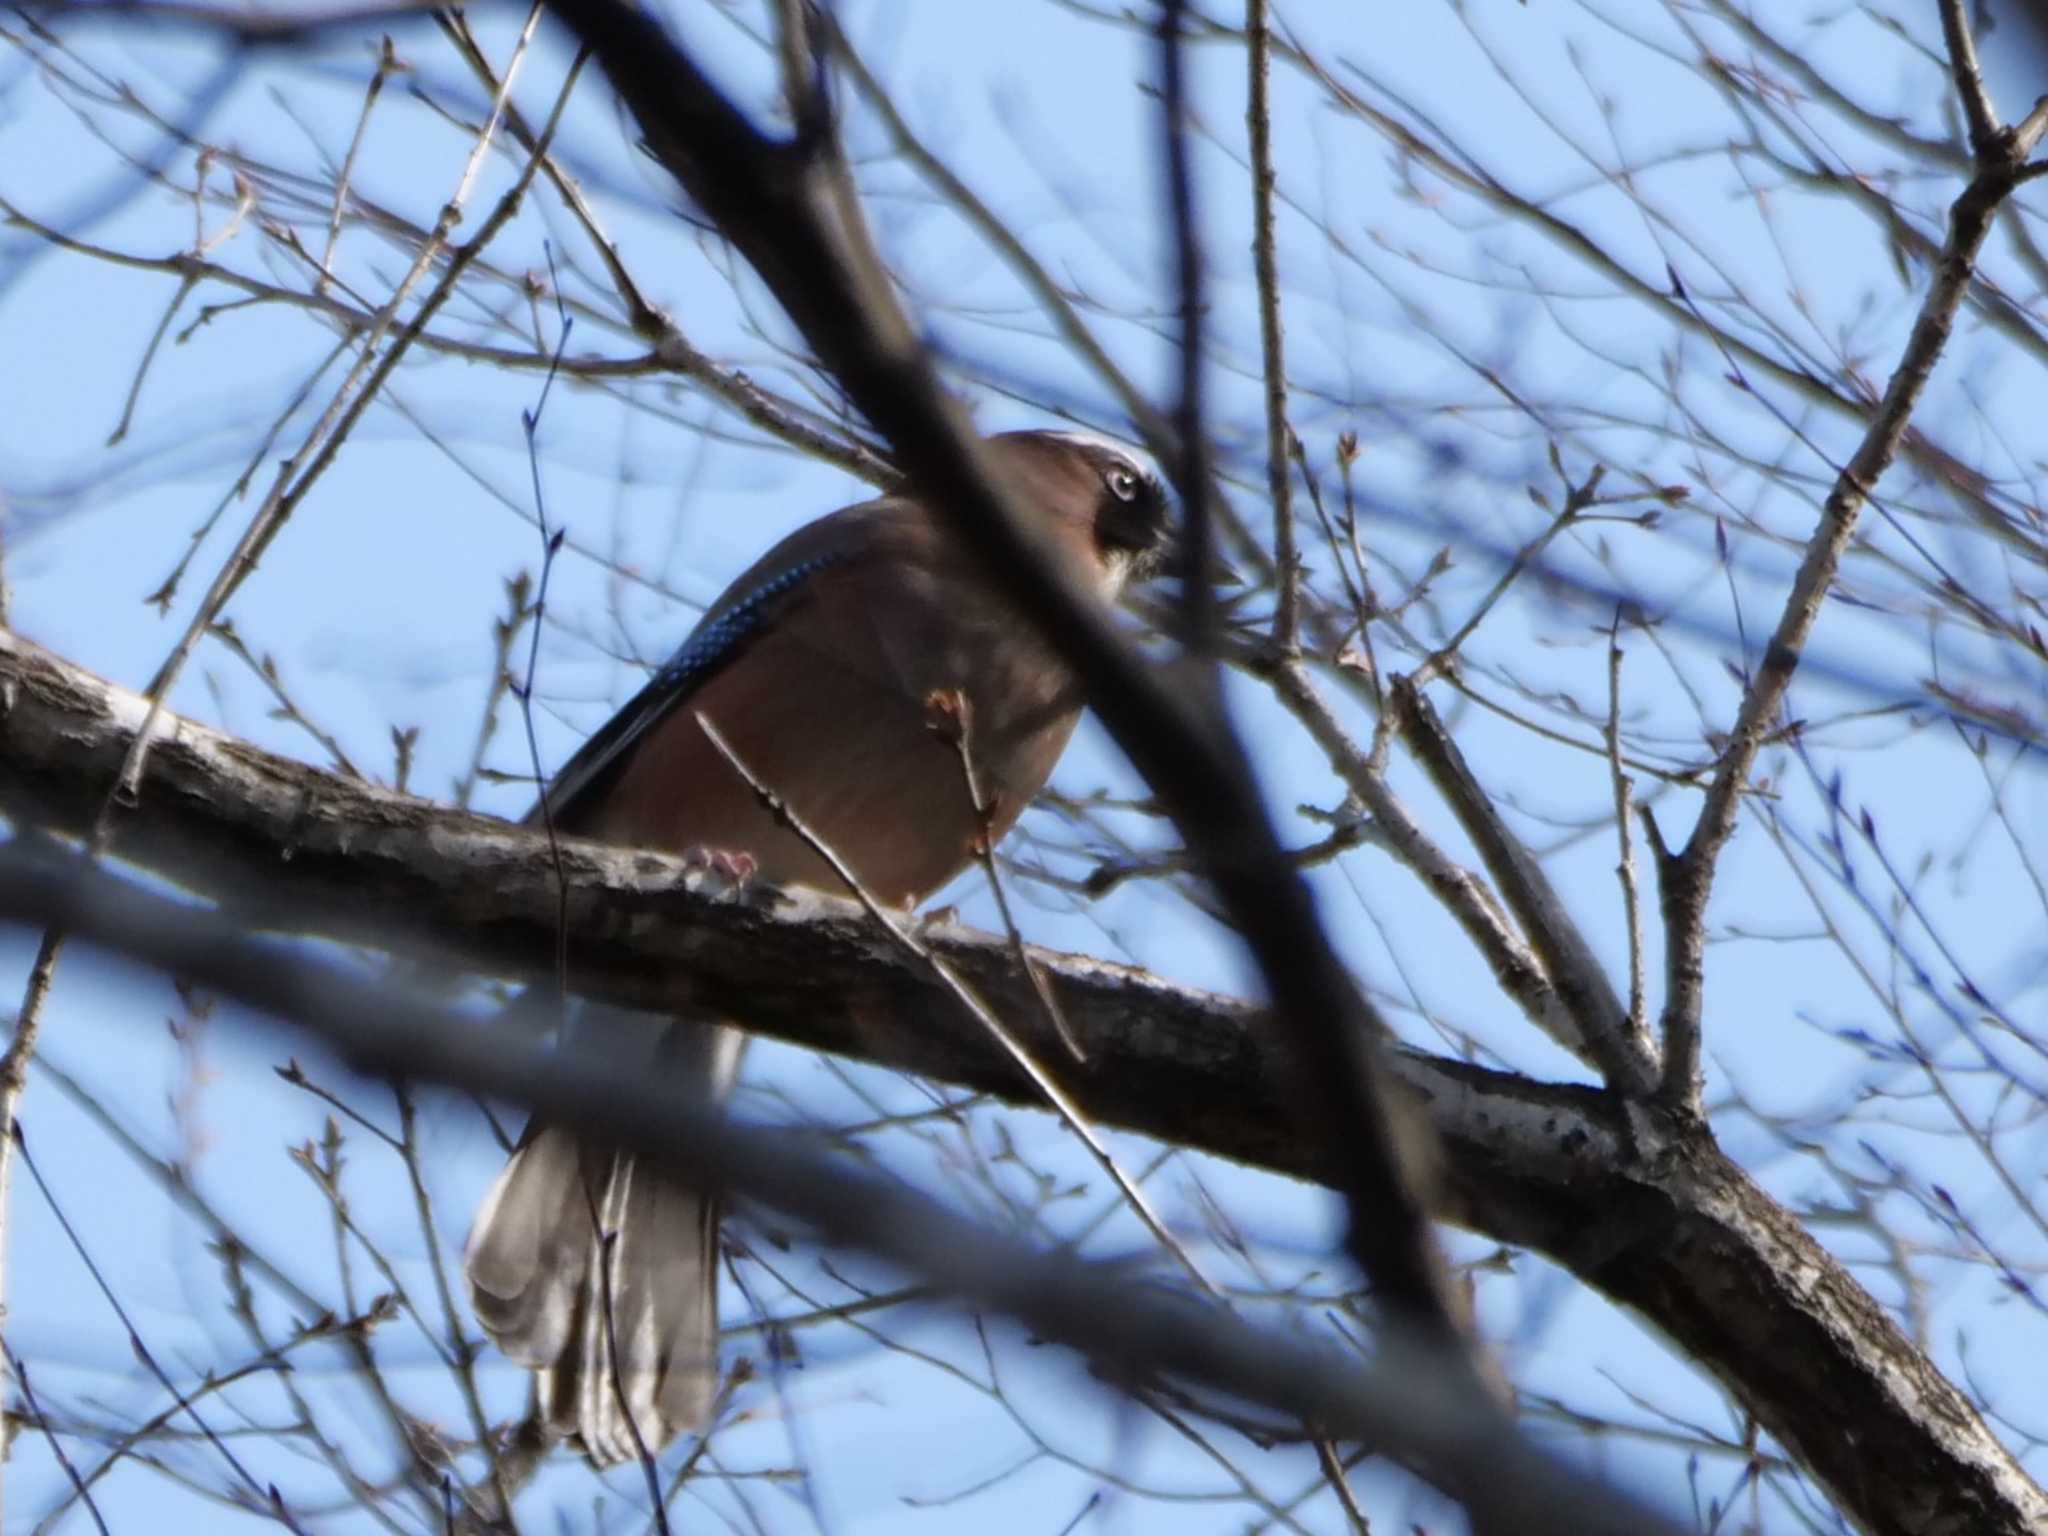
(1166, 558)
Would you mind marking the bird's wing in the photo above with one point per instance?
(742, 613)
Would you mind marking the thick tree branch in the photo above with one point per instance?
(1660, 1221)
(291, 848)
(1401, 1403)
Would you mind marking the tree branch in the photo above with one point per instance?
(1627, 1060)
(1401, 1403)
(1258, 115)
(1673, 1229)
(1686, 881)
(776, 201)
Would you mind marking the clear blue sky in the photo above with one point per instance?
(377, 601)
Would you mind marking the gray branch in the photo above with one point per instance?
(1650, 1215)
(1410, 1402)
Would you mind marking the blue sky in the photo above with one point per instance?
(377, 600)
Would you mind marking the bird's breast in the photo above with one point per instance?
(843, 717)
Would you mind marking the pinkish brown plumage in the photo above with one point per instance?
(819, 667)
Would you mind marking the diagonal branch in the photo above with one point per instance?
(1677, 1232)
(1402, 1403)
(1626, 1058)
(778, 203)
(1685, 881)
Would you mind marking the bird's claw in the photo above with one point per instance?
(733, 869)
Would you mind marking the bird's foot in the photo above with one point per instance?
(731, 869)
(937, 917)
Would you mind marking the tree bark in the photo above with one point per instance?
(1648, 1211)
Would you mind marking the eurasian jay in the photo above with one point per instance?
(819, 666)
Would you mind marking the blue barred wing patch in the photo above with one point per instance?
(714, 642)
(711, 647)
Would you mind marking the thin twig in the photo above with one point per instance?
(462, 1350)
(156, 338)
(273, 1358)
(1069, 1111)
(1190, 470)
(551, 546)
(265, 669)
(1340, 1484)
(1686, 882)
(1578, 498)
(388, 64)
(21, 1049)
(518, 612)
(1624, 795)
(671, 352)
(1978, 109)
(1358, 586)
(643, 1454)
(1468, 899)
(951, 716)
(1272, 351)
(19, 1371)
(1625, 1056)
(1151, 426)
(262, 1498)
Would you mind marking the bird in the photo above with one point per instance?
(830, 668)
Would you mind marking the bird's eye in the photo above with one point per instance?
(1123, 485)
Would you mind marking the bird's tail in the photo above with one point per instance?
(601, 1271)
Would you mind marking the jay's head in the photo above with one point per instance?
(1098, 497)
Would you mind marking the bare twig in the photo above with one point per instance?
(1577, 499)
(550, 548)
(1686, 881)
(1438, 1422)
(901, 933)
(1625, 1055)
(1688, 1240)
(19, 1372)
(1190, 467)
(260, 1498)
(1625, 869)
(156, 337)
(1978, 110)
(1464, 895)
(461, 1350)
(776, 204)
(671, 351)
(519, 611)
(1340, 1484)
(21, 1049)
(1151, 426)
(265, 668)
(1352, 571)
(952, 717)
(1272, 351)
(388, 64)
